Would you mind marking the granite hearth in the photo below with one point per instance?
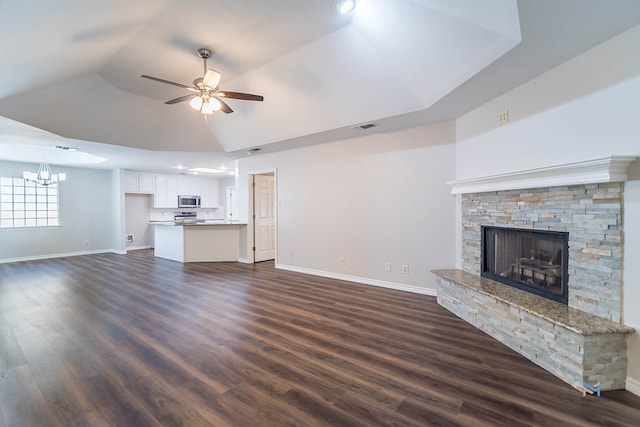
(575, 346)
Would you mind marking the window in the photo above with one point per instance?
(27, 204)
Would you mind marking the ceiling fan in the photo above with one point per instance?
(206, 97)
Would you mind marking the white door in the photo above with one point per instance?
(264, 228)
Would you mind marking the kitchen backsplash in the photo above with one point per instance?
(167, 214)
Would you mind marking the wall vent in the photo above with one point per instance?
(65, 148)
(364, 126)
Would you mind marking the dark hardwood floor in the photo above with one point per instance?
(132, 340)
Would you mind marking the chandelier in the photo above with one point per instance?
(44, 176)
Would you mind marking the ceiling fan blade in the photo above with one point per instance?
(180, 99)
(212, 79)
(225, 108)
(168, 82)
(240, 95)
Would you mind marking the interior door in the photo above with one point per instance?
(264, 192)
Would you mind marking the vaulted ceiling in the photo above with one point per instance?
(72, 68)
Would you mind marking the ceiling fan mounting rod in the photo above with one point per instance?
(205, 54)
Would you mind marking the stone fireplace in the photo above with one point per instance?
(532, 260)
(591, 214)
(581, 342)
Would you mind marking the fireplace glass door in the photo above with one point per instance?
(534, 261)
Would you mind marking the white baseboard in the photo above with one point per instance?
(135, 248)
(244, 261)
(362, 280)
(633, 386)
(60, 255)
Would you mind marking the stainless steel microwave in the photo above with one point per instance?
(188, 201)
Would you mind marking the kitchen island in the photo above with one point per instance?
(205, 241)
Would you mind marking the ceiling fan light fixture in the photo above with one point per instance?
(345, 6)
(196, 103)
(205, 94)
(207, 108)
(215, 104)
(210, 106)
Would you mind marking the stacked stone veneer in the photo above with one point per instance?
(581, 342)
(591, 213)
(575, 346)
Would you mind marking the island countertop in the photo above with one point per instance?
(197, 223)
(205, 241)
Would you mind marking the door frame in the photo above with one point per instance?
(251, 255)
(230, 192)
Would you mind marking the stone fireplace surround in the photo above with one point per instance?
(584, 341)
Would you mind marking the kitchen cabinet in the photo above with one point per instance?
(166, 195)
(183, 185)
(168, 187)
(189, 185)
(136, 182)
(209, 192)
(198, 242)
(206, 188)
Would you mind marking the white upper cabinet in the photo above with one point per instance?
(209, 192)
(195, 186)
(136, 182)
(190, 185)
(168, 187)
(166, 195)
(183, 185)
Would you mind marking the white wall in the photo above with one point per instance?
(137, 210)
(117, 202)
(87, 216)
(631, 278)
(229, 181)
(372, 199)
(586, 108)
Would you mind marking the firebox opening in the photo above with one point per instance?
(531, 260)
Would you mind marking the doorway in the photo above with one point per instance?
(231, 204)
(264, 216)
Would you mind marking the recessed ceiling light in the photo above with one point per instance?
(345, 6)
(206, 170)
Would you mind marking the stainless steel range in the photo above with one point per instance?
(185, 217)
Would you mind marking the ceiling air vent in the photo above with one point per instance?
(364, 126)
(250, 151)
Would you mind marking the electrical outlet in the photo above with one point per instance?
(387, 266)
(85, 243)
(405, 269)
(503, 116)
(291, 253)
(343, 261)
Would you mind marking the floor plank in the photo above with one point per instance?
(134, 340)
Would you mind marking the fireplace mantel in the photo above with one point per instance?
(607, 169)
